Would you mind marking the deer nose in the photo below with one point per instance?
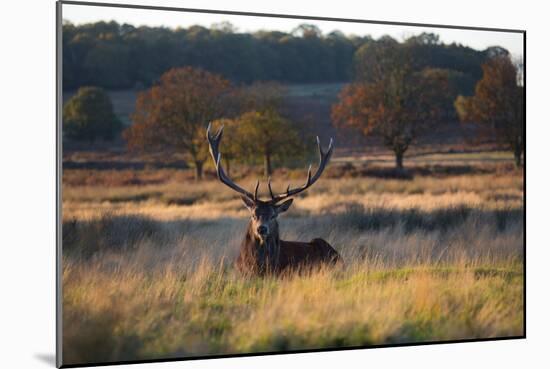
(262, 230)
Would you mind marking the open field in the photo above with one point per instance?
(147, 261)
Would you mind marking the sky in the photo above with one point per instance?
(479, 40)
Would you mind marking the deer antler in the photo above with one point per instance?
(324, 157)
(214, 143)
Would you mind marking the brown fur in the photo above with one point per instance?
(275, 256)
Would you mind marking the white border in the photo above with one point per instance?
(27, 144)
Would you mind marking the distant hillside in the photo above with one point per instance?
(311, 104)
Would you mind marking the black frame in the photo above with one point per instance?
(59, 169)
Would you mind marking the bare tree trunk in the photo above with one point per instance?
(267, 165)
(399, 159)
(198, 169)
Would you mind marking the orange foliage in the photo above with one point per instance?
(497, 105)
(397, 107)
(173, 114)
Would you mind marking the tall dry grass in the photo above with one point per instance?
(173, 200)
(147, 270)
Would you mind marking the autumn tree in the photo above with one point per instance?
(497, 105)
(392, 99)
(89, 115)
(268, 135)
(174, 113)
(263, 128)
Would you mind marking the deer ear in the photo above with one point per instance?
(284, 206)
(248, 203)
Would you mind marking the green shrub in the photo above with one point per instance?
(89, 115)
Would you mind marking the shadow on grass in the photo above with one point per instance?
(358, 217)
(83, 239)
(408, 173)
(121, 165)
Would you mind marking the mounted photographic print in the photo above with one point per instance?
(234, 184)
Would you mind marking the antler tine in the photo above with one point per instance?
(270, 189)
(324, 158)
(214, 143)
(215, 140)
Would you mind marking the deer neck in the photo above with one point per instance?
(265, 252)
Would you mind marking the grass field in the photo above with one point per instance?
(147, 263)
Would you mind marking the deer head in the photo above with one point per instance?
(264, 213)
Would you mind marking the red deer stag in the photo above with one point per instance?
(262, 251)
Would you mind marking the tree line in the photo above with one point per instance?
(397, 93)
(398, 104)
(120, 56)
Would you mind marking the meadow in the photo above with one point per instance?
(147, 260)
